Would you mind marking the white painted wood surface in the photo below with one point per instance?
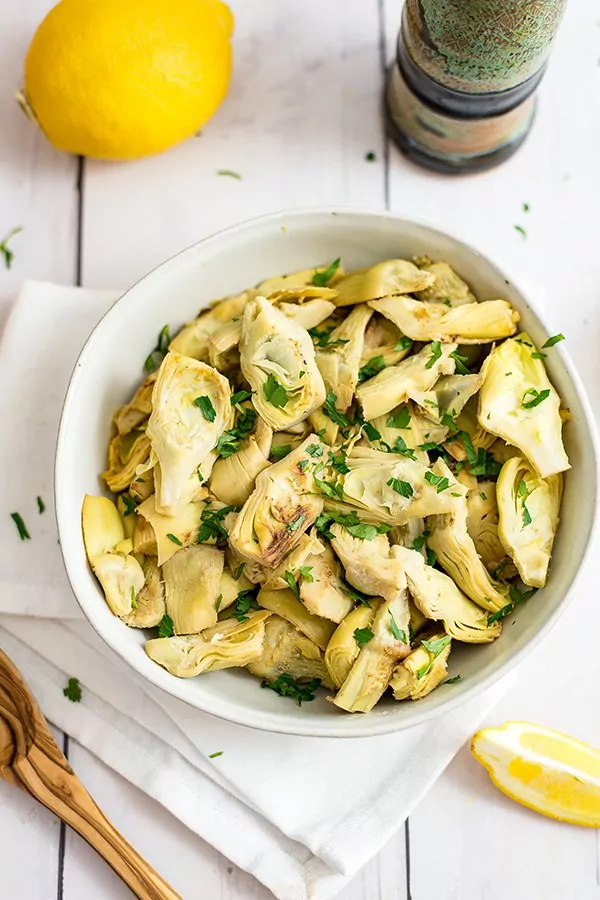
(302, 113)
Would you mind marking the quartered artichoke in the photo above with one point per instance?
(394, 276)
(330, 478)
(109, 554)
(286, 651)
(528, 506)
(470, 323)
(343, 648)
(437, 597)
(286, 604)
(281, 508)
(411, 379)
(518, 403)
(190, 411)
(192, 582)
(423, 669)
(456, 553)
(277, 358)
(227, 644)
(448, 287)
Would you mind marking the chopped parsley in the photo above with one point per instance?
(404, 488)
(154, 359)
(434, 648)
(306, 572)
(372, 368)
(274, 392)
(454, 680)
(239, 571)
(21, 526)
(166, 628)
(7, 253)
(337, 417)
(460, 363)
(322, 338)
(555, 339)
(359, 598)
(419, 542)
(521, 230)
(280, 452)
(289, 579)
(134, 603)
(480, 462)
(130, 503)
(73, 690)
(211, 525)
(42, 505)
(430, 445)
(449, 420)
(400, 418)
(483, 495)
(322, 277)
(398, 633)
(330, 488)
(229, 442)
(371, 432)
(535, 397)
(516, 596)
(350, 521)
(525, 207)
(362, 636)
(218, 602)
(206, 407)
(214, 755)
(174, 539)
(240, 397)
(401, 447)
(296, 523)
(431, 558)
(245, 602)
(338, 461)
(405, 343)
(438, 481)
(436, 352)
(199, 474)
(229, 173)
(370, 156)
(314, 450)
(286, 686)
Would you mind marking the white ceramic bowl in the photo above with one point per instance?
(110, 366)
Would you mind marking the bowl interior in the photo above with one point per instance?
(110, 367)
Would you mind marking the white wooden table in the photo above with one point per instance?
(303, 111)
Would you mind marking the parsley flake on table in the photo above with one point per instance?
(73, 690)
(521, 230)
(42, 505)
(274, 392)
(214, 755)
(324, 276)
(5, 250)
(21, 526)
(370, 156)
(286, 686)
(229, 173)
(362, 636)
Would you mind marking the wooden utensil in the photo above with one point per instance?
(31, 760)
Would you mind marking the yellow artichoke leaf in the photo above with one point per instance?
(471, 323)
(192, 581)
(286, 651)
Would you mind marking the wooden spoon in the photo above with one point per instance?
(31, 760)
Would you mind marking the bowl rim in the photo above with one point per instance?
(334, 726)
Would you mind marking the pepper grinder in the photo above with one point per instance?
(460, 96)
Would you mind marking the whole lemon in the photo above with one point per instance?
(121, 79)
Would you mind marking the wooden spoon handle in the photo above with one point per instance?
(62, 792)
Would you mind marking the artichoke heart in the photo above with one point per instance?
(371, 672)
(390, 488)
(230, 587)
(193, 339)
(150, 606)
(109, 554)
(339, 363)
(424, 669)
(457, 555)
(451, 393)
(343, 649)
(471, 323)
(281, 508)
(437, 597)
(286, 605)
(393, 276)
(518, 403)
(192, 580)
(309, 314)
(528, 506)
(171, 532)
(227, 644)
(448, 287)
(134, 413)
(286, 651)
(190, 411)
(467, 421)
(411, 379)
(233, 477)
(320, 584)
(277, 358)
(296, 281)
(125, 454)
(482, 525)
(382, 339)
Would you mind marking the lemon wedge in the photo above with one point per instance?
(549, 772)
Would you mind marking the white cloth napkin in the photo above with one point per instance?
(301, 814)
